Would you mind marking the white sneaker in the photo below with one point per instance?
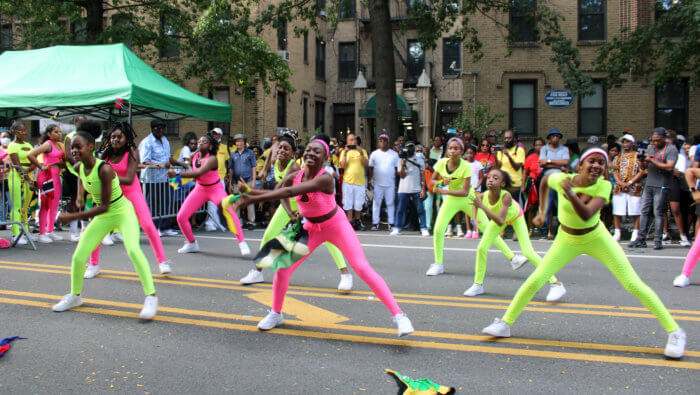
(245, 250)
(395, 232)
(164, 267)
(55, 237)
(189, 247)
(150, 307)
(675, 346)
(403, 324)
(617, 236)
(435, 269)
(460, 233)
(681, 281)
(91, 271)
(425, 232)
(345, 284)
(474, 290)
(252, 277)
(22, 241)
(556, 292)
(67, 302)
(271, 320)
(168, 232)
(635, 235)
(448, 232)
(497, 329)
(31, 237)
(518, 261)
(117, 237)
(44, 238)
(684, 241)
(75, 237)
(107, 241)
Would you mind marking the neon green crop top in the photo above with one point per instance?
(463, 171)
(513, 210)
(93, 184)
(567, 215)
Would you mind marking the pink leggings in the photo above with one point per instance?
(338, 232)
(692, 258)
(200, 195)
(49, 202)
(135, 196)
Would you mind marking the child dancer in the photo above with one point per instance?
(683, 280)
(111, 211)
(456, 175)
(499, 206)
(581, 196)
(53, 158)
(285, 211)
(121, 153)
(19, 181)
(313, 188)
(208, 188)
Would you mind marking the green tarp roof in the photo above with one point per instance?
(402, 108)
(88, 79)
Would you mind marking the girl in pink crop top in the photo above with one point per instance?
(313, 190)
(209, 178)
(49, 180)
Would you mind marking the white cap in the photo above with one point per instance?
(627, 137)
(218, 130)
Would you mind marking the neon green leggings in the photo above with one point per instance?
(600, 245)
(280, 219)
(492, 231)
(20, 196)
(451, 206)
(120, 216)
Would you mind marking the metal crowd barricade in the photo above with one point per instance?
(163, 199)
(6, 206)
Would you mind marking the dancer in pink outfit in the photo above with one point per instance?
(49, 180)
(313, 190)
(683, 280)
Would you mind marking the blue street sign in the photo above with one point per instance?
(559, 98)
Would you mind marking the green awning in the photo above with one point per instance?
(402, 108)
(88, 79)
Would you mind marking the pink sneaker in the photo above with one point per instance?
(475, 234)
(468, 235)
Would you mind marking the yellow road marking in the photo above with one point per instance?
(305, 312)
(560, 308)
(358, 328)
(386, 341)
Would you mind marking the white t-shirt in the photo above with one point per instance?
(682, 164)
(185, 153)
(384, 167)
(330, 170)
(411, 183)
(476, 168)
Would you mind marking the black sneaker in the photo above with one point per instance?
(658, 245)
(374, 227)
(250, 226)
(638, 244)
(360, 225)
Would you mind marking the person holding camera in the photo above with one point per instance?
(383, 166)
(411, 188)
(354, 160)
(510, 159)
(659, 159)
(627, 193)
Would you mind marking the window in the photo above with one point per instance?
(222, 95)
(5, 37)
(451, 56)
(592, 112)
(172, 128)
(346, 9)
(523, 106)
(282, 36)
(306, 47)
(170, 44)
(346, 61)
(305, 114)
(447, 114)
(662, 7)
(591, 20)
(343, 118)
(319, 122)
(522, 22)
(672, 107)
(416, 59)
(320, 59)
(281, 109)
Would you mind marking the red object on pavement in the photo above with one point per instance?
(4, 243)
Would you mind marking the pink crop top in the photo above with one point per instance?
(209, 178)
(53, 157)
(317, 204)
(122, 168)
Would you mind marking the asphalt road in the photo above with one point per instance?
(204, 339)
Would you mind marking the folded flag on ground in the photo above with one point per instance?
(408, 386)
(284, 250)
(5, 344)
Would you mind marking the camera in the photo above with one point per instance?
(498, 148)
(351, 146)
(407, 152)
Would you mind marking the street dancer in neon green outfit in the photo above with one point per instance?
(286, 211)
(581, 197)
(455, 173)
(111, 211)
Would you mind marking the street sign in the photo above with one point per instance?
(559, 98)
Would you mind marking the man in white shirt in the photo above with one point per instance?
(411, 188)
(383, 166)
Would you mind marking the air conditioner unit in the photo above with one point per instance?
(323, 13)
(284, 55)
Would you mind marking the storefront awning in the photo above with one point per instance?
(402, 108)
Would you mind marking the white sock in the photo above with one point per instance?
(74, 226)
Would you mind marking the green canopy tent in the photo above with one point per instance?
(92, 79)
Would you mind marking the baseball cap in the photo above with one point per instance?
(218, 131)
(239, 136)
(156, 123)
(383, 136)
(553, 132)
(627, 137)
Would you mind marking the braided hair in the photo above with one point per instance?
(108, 151)
(214, 144)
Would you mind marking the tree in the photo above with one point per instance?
(477, 119)
(664, 52)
